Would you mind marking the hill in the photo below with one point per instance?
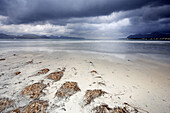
(33, 36)
(150, 36)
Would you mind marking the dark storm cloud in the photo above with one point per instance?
(148, 19)
(3, 5)
(144, 14)
(149, 14)
(147, 28)
(28, 11)
(84, 18)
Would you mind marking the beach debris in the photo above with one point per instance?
(5, 103)
(1, 74)
(41, 81)
(2, 59)
(102, 83)
(30, 62)
(64, 109)
(94, 82)
(98, 77)
(91, 63)
(125, 109)
(136, 109)
(102, 109)
(93, 72)
(106, 109)
(43, 71)
(48, 84)
(33, 90)
(38, 62)
(67, 90)
(121, 110)
(5, 85)
(56, 76)
(74, 68)
(37, 106)
(64, 69)
(15, 111)
(92, 94)
(17, 73)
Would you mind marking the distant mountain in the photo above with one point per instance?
(33, 36)
(4, 36)
(150, 36)
(65, 37)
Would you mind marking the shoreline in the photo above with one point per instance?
(141, 82)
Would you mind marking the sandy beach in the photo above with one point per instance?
(84, 56)
(137, 83)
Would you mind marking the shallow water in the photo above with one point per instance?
(157, 49)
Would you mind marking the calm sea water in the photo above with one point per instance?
(154, 48)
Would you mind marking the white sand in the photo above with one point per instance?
(141, 82)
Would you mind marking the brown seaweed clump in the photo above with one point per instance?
(34, 90)
(92, 94)
(43, 71)
(15, 111)
(5, 103)
(106, 109)
(56, 76)
(126, 109)
(2, 59)
(17, 73)
(94, 72)
(38, 106)
(67, 89)
(30, 62)
(102, 109)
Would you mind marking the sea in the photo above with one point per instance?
(154, 49)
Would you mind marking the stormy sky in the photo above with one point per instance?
(84, 18)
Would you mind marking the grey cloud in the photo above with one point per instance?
(150, 14)
(29, 11)
(155, 26)
(144, 14)
(83, 18)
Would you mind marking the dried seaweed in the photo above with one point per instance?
(33, 90)
(30, 62)
(2, 59)
(37, 106)
(136, 108)
(126, 109)
(56, 76)
(17, 73)
(92, 94)
(5, 103)
(43, 71)
(67, 90)
(93, 71)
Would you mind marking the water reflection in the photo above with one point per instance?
(122, 47)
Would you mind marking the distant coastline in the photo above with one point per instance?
(33, 36)
(150, 36)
